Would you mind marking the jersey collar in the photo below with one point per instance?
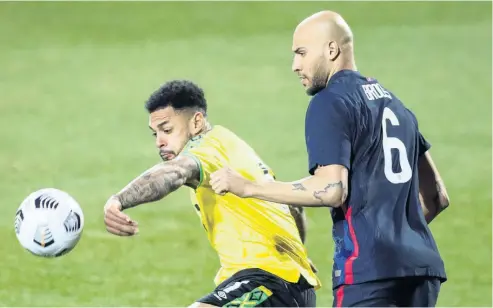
(341, 74)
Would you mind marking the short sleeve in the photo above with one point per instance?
(423, 145)
(328, 133)
(206, 156)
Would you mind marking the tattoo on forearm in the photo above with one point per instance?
(158, 181)
(319, 195)
(298, 186)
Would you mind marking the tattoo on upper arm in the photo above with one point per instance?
(159, 181)
(320, 193)
(298, 186)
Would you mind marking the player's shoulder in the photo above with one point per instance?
(356, 87)
(207, 146)
(221, 135)
(219, 138)
(343, 87)
(217, 132)
(329, 101)
(211, 138)
(411, 115)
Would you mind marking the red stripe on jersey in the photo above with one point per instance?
(348, 267)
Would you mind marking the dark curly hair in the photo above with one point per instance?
(179, 94)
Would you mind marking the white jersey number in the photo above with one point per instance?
(390, 143)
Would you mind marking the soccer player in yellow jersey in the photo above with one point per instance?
(263, 259)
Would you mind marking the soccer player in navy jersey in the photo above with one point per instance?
(371, 165)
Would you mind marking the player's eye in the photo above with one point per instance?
(154, 134)
(167, 130)
(301, 52)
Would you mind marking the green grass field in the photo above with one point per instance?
(73, 79)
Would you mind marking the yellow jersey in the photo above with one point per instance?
(245, 232)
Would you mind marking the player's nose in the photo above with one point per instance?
(161, 142)
(296, 66)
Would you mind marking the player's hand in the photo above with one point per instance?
(116, 221)
(228, 180)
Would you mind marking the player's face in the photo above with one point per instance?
(171, 129)
(310, 62)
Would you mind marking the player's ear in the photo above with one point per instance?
(333, 50)
(197, 122)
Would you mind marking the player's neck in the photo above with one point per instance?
(207, 127)
(344, 64)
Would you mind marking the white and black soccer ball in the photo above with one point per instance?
(49, 223)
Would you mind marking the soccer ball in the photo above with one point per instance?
(49, 223)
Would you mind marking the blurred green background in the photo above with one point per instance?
(73, 80)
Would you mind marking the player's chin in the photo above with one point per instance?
(312, 90)
(166, 157)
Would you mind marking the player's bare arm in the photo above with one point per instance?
(152, 185)
(433, 194)
(327, 187)
(159, 181)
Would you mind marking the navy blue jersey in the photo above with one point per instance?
(381, 231)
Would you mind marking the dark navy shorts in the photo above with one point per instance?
(396, 292)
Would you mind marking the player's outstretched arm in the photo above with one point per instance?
(159, 181)
(152, 185)
(432, 192)
(327, 187)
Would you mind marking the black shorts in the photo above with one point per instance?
(398, 292)
(258, 288)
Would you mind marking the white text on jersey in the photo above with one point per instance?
(375, 91)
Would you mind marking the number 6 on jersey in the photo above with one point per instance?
(390, 143)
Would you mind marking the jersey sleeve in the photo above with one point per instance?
(423, 144)
(328, 133)
(207, 157)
